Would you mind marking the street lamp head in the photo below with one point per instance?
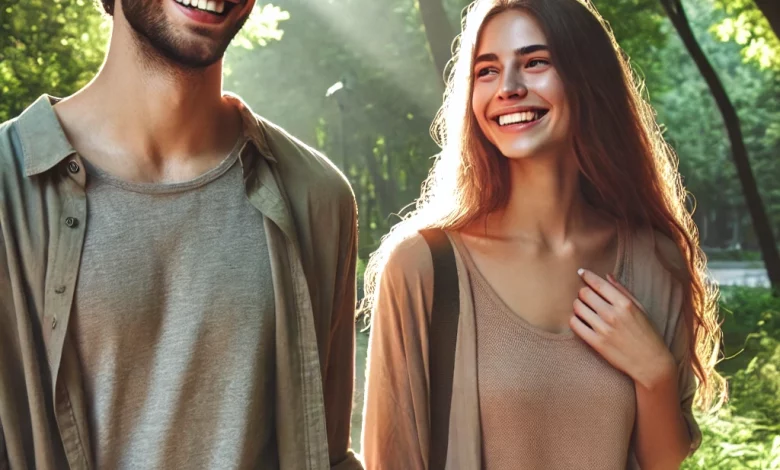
(334, 88)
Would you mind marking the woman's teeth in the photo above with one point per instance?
(514, 118)
(214, 6)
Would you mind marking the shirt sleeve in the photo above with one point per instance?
(396, 424)
(6, 309)
(3, 457)
(680, 338)
(686, 379)
(338, 383)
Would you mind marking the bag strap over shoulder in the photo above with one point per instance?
(443, 333)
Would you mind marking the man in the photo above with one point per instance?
(177, 275)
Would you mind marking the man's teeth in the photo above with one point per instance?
(514, 118)
(214, 6)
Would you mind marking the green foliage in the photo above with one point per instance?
(729, 443)
(642, 37)
(47, 46)
(748, 27)
(57, 46)
(746, 432)
(261, 27)
(751, 325)
(752, 345)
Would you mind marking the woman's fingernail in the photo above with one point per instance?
(580, 271)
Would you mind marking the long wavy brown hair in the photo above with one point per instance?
(627, 169)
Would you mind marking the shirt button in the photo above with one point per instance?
(53, 322)
(73, 167)
(72, 222)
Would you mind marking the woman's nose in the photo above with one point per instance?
(512, 85)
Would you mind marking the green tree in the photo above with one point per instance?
(47, 46)
(748, 24)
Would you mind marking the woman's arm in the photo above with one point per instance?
(396, 426)
(662, 439)
(615, 324)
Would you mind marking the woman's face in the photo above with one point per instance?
(518, 97)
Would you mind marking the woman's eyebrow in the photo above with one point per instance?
(489, 57)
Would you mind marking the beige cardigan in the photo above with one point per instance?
(396, 430)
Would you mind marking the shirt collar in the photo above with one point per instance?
(43, 141)
(254, 126)
(45, 145)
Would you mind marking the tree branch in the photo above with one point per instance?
(771, 9)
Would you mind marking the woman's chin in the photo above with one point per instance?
(518, 153)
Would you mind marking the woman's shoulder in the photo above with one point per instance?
(409, 259)
(405, 284)
(655, 251)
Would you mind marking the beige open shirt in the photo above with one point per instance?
(396, 428)
(310, 222)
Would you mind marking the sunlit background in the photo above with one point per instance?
(356, 79)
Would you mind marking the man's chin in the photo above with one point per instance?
(175, 46)
(195, 62)
(191, 57)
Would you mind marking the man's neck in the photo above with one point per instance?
(144, 114)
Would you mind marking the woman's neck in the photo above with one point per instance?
(545, 203)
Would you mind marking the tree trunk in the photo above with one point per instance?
(771, 9)
(739, 153)
(439, 32)
(384, 192)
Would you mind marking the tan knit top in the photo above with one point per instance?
(396, 426)
(546, 400)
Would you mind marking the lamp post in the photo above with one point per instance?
(333, 91)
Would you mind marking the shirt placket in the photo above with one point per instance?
(67, 228)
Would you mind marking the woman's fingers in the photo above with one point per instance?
(581, 329)
(603, 287)
(589, 316)
(593, 300)
(623, 290)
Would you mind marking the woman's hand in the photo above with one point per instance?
(614, 323)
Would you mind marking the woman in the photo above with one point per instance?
(585, 321)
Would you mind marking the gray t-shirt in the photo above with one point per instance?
(174, 324)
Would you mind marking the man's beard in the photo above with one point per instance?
(161, 43)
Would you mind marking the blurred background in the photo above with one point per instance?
(361, 81)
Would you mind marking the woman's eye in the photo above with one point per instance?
(537, 62)
(485, 71)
